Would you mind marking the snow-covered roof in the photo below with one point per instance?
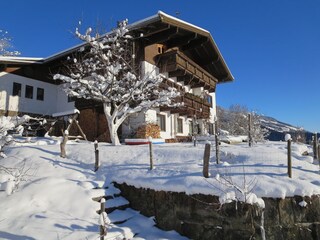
(10, 59)
(65, 113)
(163, 18)
(208, 48)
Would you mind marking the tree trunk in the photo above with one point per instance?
(111, 125)
(113, 134)
(63, 153)
(114, 122)
(112, 130)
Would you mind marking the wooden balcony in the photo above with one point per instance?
(179, 65)
(193, 105)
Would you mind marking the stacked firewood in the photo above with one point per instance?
(148, 130)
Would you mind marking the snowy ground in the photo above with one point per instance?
(56, 201)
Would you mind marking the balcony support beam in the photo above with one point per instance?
(180, 66)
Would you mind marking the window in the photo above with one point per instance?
(70, 99)
(190, 127)
(180, 125)
(161, 121)
(16, 89)
(211, 129)
(40, 94)
(160, 48)
(209, 99)
(29, 92)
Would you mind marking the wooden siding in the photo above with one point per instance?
(179, 65)
(192, 105)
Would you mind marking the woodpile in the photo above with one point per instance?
(148, 130)
(171, 140)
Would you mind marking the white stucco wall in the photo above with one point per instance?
(149, 69)
(213, 110)
(62, 101)
(170, 119)
(131, 124)
(54, 99)
(197, 91)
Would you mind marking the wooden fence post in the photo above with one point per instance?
(315, 146)
(96, 154)
(63, 144)
(288, 139)
(206, 158)
(216, 135)
(194, 139)
(249, 128)
(65, 135)
(102, 227)
(151, 152)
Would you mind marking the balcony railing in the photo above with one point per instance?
(192, 106)
(179, 65)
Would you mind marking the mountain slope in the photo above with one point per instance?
(235, 121)
(278, 130)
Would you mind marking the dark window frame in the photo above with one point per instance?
(161, 121)
(16, 89)
(211, 128)
(179, 125)
(29, 92)
(191, 127)
(40, 94)
(71, 99)
(209, 100)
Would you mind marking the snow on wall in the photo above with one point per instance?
(54, 99)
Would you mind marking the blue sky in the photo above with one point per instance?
(271, 47)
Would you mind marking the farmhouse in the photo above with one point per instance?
(184, 54)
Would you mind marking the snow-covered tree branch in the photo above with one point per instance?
(18, 125)
(5, 45)
(235, 121)
(13, 176)
(6, 124)
(104, 70)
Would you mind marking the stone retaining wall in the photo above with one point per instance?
(202, 217)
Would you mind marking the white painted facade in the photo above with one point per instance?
(55, 100)
(171, 120)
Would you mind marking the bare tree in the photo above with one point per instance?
(5, 44)
(14, 175)
(18, 125)
(235, 121)
(7, 124)
(104, 71)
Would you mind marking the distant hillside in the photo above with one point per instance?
(235, 121)
(278, 129)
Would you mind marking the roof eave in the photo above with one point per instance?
(165, 18)
(19, 60)
(180, 23)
